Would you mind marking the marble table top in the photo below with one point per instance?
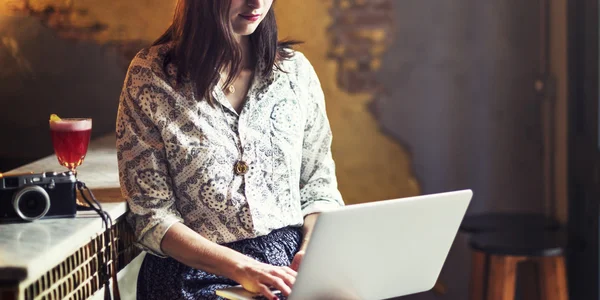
(98, 171)
(28, 250)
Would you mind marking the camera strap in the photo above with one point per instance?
(107, 259)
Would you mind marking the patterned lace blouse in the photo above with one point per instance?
(177, 154)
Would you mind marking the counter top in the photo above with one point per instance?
(99, 170)
(27, 250)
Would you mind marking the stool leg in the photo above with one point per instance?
(478, 276)
(553, 278)
(528, 279)
(503, 273)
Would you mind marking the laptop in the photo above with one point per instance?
(376, 250)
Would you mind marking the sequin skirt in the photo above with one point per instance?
(166, 278)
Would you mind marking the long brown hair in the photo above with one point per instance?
(203, 43)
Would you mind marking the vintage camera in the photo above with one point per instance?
(29, 197)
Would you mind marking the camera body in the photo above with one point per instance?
(29, 197)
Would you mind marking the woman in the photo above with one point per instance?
(224, 152)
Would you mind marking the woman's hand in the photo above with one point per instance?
(192, 249)
(309, 223)
(297, 260)
(257, 277)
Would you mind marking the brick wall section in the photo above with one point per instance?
(360, 34)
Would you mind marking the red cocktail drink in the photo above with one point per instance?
(70, 138)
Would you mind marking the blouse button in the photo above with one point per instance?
(241, 167)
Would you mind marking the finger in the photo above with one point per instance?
(279, 284)
(290, 271)
(265, 291)
(295, 264)
(287, 278)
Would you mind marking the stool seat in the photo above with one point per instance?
(520, 243)
(488, 222)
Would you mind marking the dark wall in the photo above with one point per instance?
(460, 96)
(584, 155)
(41, 74)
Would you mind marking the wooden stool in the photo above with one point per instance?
(496, 256)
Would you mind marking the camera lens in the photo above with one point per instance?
(31, 203)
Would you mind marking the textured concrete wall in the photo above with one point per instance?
(102, 21)
(66, 57)
(92, 40)
(371, 166)
(41, 74)
(455, 88)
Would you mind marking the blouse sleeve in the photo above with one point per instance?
(143, 169)
(318, 182)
